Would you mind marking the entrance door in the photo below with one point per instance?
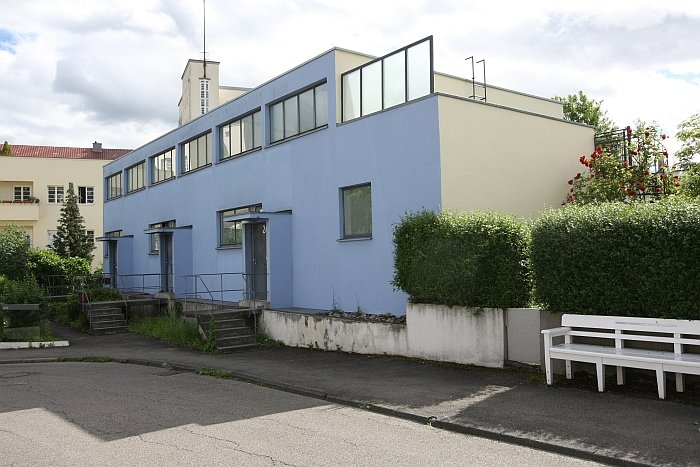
(113, 267)
(257, 260)
(166, 262)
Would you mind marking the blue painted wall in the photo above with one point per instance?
(397, 151)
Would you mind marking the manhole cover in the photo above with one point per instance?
(19, 374)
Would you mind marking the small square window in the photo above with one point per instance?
(356, 211)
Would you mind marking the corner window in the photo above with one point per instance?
(55, 195)
(163, 166)
(356, 210)
(114, 186)
(196, 153)
(231, 231)
(298, 114)
(135, 177)
(241, 135)
(86, 195)
(22, 193)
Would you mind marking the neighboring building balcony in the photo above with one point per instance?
(19, 210)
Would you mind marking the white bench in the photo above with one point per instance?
(619, 329)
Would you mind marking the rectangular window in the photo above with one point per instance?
(204, 95)
(86, 195)
(163, 166)
(90, 235)
(241, 136)
(22, 193)
(197, 153)
(155, 238)
(357, 211)
(114, 186)
(401, 76)
(135, 177)
(231, 231)
(298, 114)
(55, 194)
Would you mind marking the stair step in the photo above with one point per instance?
(109, 317)
(234, 341)
(235, 348)
(112, 330)
(224, 314)
(108, 324)
(233, 332)
(223, 324)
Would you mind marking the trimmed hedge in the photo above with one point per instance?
(637, 259)
(475, 260)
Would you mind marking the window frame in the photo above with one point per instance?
(187, 157)
(256, 116)
(282, 103)
(114, 190)
(138, 169)
(343, 227)
(154, 241)
(171, 155)
(25, 193)
(237, 224)
(57, 197)
(89, 194)
(407, 89)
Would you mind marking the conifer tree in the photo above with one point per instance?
(6, 151)
(71, 239)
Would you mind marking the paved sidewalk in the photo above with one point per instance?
(500, 404)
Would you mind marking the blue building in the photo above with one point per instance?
(289, 192)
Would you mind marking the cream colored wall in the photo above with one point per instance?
(229, 94)
(498, 159)
(189, 107)
(45, 172)
(345, 60)
(495, 95)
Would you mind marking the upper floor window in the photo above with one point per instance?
(90, 234)
(114, 186)
(163, 166)
(86, 195)
(299, 113)
(22, 193)
(55, 195)
(242, 135)
(398, 77)
(231, 231)
(356, 211)
(197, 153)
(135, 177)
(204, 95)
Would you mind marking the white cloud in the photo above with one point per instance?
(84, 70)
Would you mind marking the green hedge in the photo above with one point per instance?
(22, 291)
(476, 260)
(638, 259)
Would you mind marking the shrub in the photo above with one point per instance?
(637, 259)
(25, 291)
(14, 248)
(690, 179)
(477, 260)
(69, 313)
(51, 269)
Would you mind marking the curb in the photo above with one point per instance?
(316, 394)
(32, 345)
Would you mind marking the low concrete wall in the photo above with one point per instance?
(433, 332)
(524, 330)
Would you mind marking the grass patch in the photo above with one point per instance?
(266, 342)
(221, 374)
(171, 330)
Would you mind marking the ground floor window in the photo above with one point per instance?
(155, 238)
(231, 231)
(356, 209)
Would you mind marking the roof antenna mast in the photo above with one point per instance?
(204, 7)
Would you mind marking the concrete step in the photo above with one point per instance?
(228, 313)
(236, 348)
(109, 324)
(222, 324)
(109, 330)
(233, 332)
(104, 311)
(106, 317)
(225, 342)
(106, 305)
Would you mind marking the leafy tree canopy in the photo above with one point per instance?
(579, 108)
(14, 251)
(689, 134)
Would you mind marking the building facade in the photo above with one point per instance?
(290, 192)
(34, 181)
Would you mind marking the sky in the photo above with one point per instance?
(77, 71)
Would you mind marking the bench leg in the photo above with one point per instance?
(661, 383)
(680, 387)
(620, 376)
(548, 368)
(569, 374)
(600, 372)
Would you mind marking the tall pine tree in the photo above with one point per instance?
(71, 238)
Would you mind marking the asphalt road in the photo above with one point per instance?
(118, 414)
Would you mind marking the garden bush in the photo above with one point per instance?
(52, 270)
(23, 292)
(476, 260)
(14, 251)
(636, 259)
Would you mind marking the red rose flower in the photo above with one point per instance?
(570, 182)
